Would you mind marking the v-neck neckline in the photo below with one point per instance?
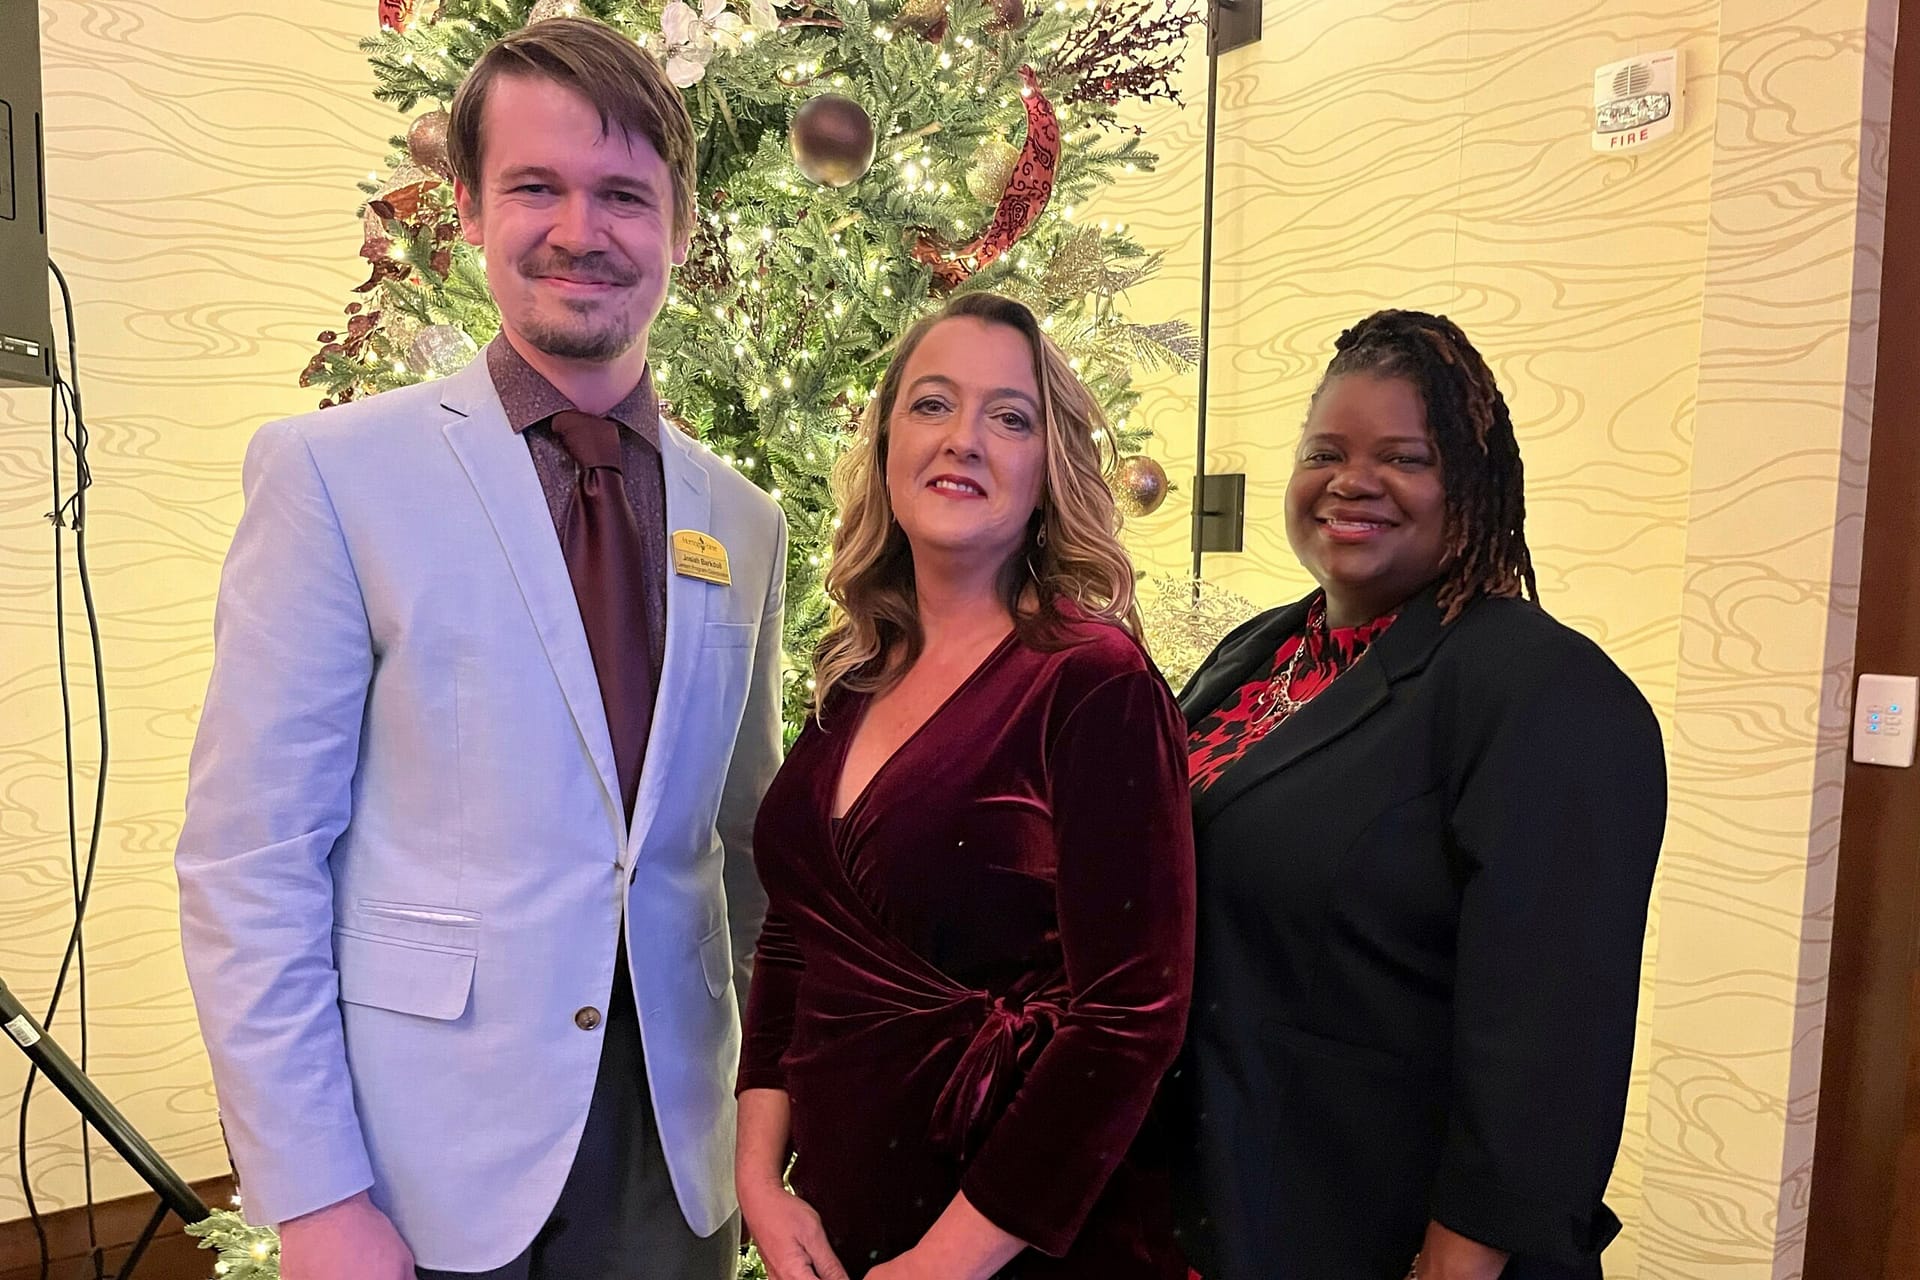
(836, 823)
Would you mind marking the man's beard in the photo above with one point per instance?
(597, 341)
(590, 337)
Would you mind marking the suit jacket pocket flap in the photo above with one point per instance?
(405, 977)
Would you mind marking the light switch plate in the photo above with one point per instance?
(1883, 720)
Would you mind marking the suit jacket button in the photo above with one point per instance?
(587, 1019)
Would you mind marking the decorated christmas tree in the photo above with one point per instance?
(858, 164)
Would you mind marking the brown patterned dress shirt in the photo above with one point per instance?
(531, 401)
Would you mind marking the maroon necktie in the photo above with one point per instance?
(608, 567)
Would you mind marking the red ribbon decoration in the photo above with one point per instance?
(396, 13)
(1027, 193)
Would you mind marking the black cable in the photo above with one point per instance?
(26, 1097)
(59, 407)
(71, 514)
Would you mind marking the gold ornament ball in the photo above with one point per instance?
(925, 18)
(440, 349)
(990, 167)
(833, 140)
(1139, 486)
(553, 9)
(427, 143)
(1008, 15)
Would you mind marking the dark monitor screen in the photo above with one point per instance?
(26, 321)
(7, 206)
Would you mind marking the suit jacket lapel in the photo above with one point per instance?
(501, 470)
(689, 506)
(1342, 707)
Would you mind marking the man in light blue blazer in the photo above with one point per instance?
(466, 885)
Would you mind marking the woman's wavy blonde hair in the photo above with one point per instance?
(874, 634)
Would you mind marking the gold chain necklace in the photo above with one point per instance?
(1276, 702)
(1278, 695)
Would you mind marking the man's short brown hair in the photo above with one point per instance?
(615, 74)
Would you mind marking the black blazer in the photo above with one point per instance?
(1421, 912)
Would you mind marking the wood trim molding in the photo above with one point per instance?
(173, 1255)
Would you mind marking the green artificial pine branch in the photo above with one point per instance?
(253, 1253)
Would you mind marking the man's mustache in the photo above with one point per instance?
(595, 268)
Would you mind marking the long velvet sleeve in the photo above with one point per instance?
(777, 969)
(1558, 826)
(1125, 905)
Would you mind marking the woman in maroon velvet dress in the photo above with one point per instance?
(978, 856)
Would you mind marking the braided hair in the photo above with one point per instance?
(1486, 542)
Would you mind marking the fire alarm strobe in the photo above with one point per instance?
(1636, 102)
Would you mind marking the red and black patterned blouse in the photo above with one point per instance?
(1276, 690)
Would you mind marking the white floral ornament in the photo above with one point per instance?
(692, 38)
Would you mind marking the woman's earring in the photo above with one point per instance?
(1040, 536)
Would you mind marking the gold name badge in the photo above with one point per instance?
(695, 555)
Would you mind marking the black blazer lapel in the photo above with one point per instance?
(1345, 704)
(1237, 657)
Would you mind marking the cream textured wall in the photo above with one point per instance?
(1770, 590)
(201, 165)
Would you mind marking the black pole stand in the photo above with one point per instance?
(1219, 509)
(1206, 288)
(175, 1195)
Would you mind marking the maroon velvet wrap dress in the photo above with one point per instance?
(976, 979)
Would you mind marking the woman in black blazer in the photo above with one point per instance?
(1427, 819)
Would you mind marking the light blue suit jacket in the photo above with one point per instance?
(404, 860)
